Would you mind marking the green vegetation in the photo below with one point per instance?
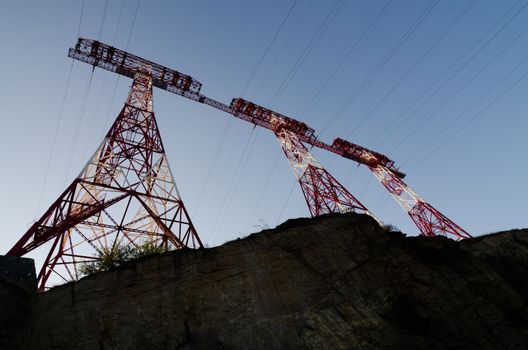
(110, 257)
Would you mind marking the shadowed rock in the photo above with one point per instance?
(332, 282)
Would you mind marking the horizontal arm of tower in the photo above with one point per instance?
(39, 234)
(118, 61)
(428, 219)
(107, 57)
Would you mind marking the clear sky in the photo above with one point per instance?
(437, 86)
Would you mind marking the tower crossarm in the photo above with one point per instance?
(363, 155)
(428, 219)
(118, 61)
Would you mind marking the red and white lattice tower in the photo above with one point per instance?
(429, 220)
(124, 196)
(322, 192)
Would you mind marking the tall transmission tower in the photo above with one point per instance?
(124, 196)
(322, 192)
(429, 220)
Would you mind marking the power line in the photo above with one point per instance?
(98, 101)
(268, 47)
(351, 47)
(286, 202)
(270, 69)
(242, 171)
(281, 50)
(476, 115)
(228, 121)
(132, 25)
(444, 73)
(307, 51)
(78, 127)
(126, 47)
(103, 21)
(54, 141)
(417, 63)
(265, 188)
(426, 52)
(80, 19)
(462, 87)
(388, 56)
(233, 183)
(59, 119)
(212, 165)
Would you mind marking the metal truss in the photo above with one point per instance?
(125, 195)
(322, 192)
(429, 220)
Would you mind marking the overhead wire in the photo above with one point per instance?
(286, 201)
(126, 47)
(475, 116)
(101, 89)
(388, 56)
(433, 45)
(265, 187)
(306, 51)
(442, 75)
(281, 50)
(243, 167)
(456, 92)
(77, 129)
(83, 108)
(240, 168)
(416, 63)
(103, 21)
(271, 171)
(54, 139)
(232, 183)
(302, 58)
(354, 43)
(228, 120)
(59, 119)
(261, 60)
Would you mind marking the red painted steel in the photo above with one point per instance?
(322, 192)
(125, 195)
(428, 220)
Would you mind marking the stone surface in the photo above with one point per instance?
(19, 271)
(17, 286)
(333, 282)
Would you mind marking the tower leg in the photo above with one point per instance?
(429, 220)
(124, 197)
(322, 192)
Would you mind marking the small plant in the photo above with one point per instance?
(145, 249)
(391, 228)
(110, 257)
(263, 225)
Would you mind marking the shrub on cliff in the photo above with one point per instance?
(110, 257)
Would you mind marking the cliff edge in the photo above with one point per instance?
(331, 282)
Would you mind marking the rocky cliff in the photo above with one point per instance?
(333, 282)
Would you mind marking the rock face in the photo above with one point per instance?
(17, 286)
(333, 282)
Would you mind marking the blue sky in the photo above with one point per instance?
(443, 99)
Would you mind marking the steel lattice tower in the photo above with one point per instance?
(322, 192)
(125, 195)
